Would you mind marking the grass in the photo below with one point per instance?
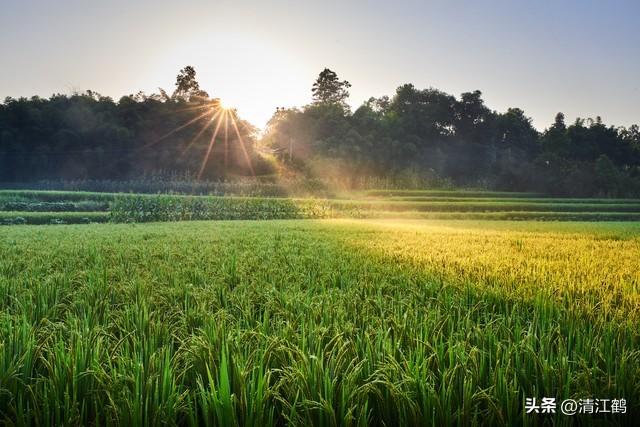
(334, 322)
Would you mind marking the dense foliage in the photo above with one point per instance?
(417, 138)
(90, 136)
(460, 141)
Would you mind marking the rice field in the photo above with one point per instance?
(317, 322)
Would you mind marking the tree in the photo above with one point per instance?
(328, 89)
(516, 131)
(187, 86)
(607, 175)
(378, 105)
(473, 118)
(427, 114)
(555, 139)
(280, 132)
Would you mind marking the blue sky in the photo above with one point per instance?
(578, 57)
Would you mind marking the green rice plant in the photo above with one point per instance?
(330, 322)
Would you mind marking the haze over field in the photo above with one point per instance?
(578, 57)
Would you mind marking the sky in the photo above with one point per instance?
(544, 56)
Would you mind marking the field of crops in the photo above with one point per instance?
(60, 207)
(330, 322)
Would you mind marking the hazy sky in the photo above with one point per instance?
(579, 57)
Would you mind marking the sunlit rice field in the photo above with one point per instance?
(317, 322)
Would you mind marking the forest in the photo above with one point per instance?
(416, 135)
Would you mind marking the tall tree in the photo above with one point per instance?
(473, 118)
(515, 131)
(187, 86)
(555, 140)
(329, 89)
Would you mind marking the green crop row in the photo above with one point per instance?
(175, 208)
(131, 208)
(147, 208)
(37, 206)
(505, 200)
(40, 218)
(483, 206)
(503, 216)
(55, 196)
(448, 193)
(151, 185)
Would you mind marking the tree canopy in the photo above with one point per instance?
(187, 86)
(328, 89)
(90, 136)
(456, 140)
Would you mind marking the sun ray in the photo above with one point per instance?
(190, 108)
(226, 140)
(190, 122)
(199, 134)
(211, 109)
(242, 146)
(211, 144)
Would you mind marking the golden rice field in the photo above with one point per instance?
(317, 322)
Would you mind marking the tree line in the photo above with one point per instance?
(433, 135)
(420, 134)
(90, 136)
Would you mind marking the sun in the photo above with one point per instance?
(222, 105)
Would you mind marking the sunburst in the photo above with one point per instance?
(215, 114)
(222, 105)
